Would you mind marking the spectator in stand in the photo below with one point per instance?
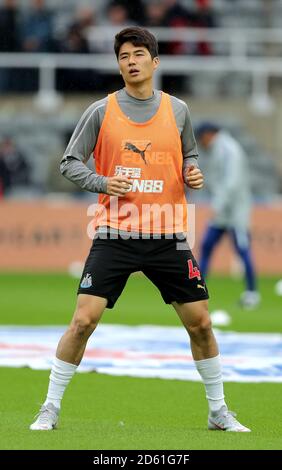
(74, 79)
(37, 28)
(118, 14)
(168, 13)
(14, 170)
(155, 13)
(115, 14)
(76, 42)
(84, 20)
(9, 40)
(36, 36)
(204, 18)
(179, 17)
(135, 10)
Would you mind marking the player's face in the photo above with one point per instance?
(136, 64)
(206, 139)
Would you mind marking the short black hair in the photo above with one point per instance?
(206, 126)
(138, 37)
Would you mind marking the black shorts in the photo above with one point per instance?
(168, 263)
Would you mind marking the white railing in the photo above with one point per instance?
(236, 41)
(237, 59)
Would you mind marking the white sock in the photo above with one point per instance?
(210, 371)
(61, 374)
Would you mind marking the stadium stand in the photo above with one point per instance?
(237, 76)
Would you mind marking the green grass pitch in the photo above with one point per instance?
(104, 412)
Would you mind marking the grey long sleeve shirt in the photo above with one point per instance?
(229, 183)
(83, 141)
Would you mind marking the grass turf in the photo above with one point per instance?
(103, 412)
(30, 299)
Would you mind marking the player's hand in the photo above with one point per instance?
(118, 185)
(194, 177)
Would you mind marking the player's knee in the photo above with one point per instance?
(84, 323)
(202, 328)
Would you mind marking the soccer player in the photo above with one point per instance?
(144, 148)
(229, 184)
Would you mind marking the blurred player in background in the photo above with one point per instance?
(144, 150)
(229, 184)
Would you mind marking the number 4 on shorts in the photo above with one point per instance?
(193, 270)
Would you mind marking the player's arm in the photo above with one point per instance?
(192, 174)
(80, 148)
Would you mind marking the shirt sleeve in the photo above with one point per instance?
(81, 145)
(189, 145)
